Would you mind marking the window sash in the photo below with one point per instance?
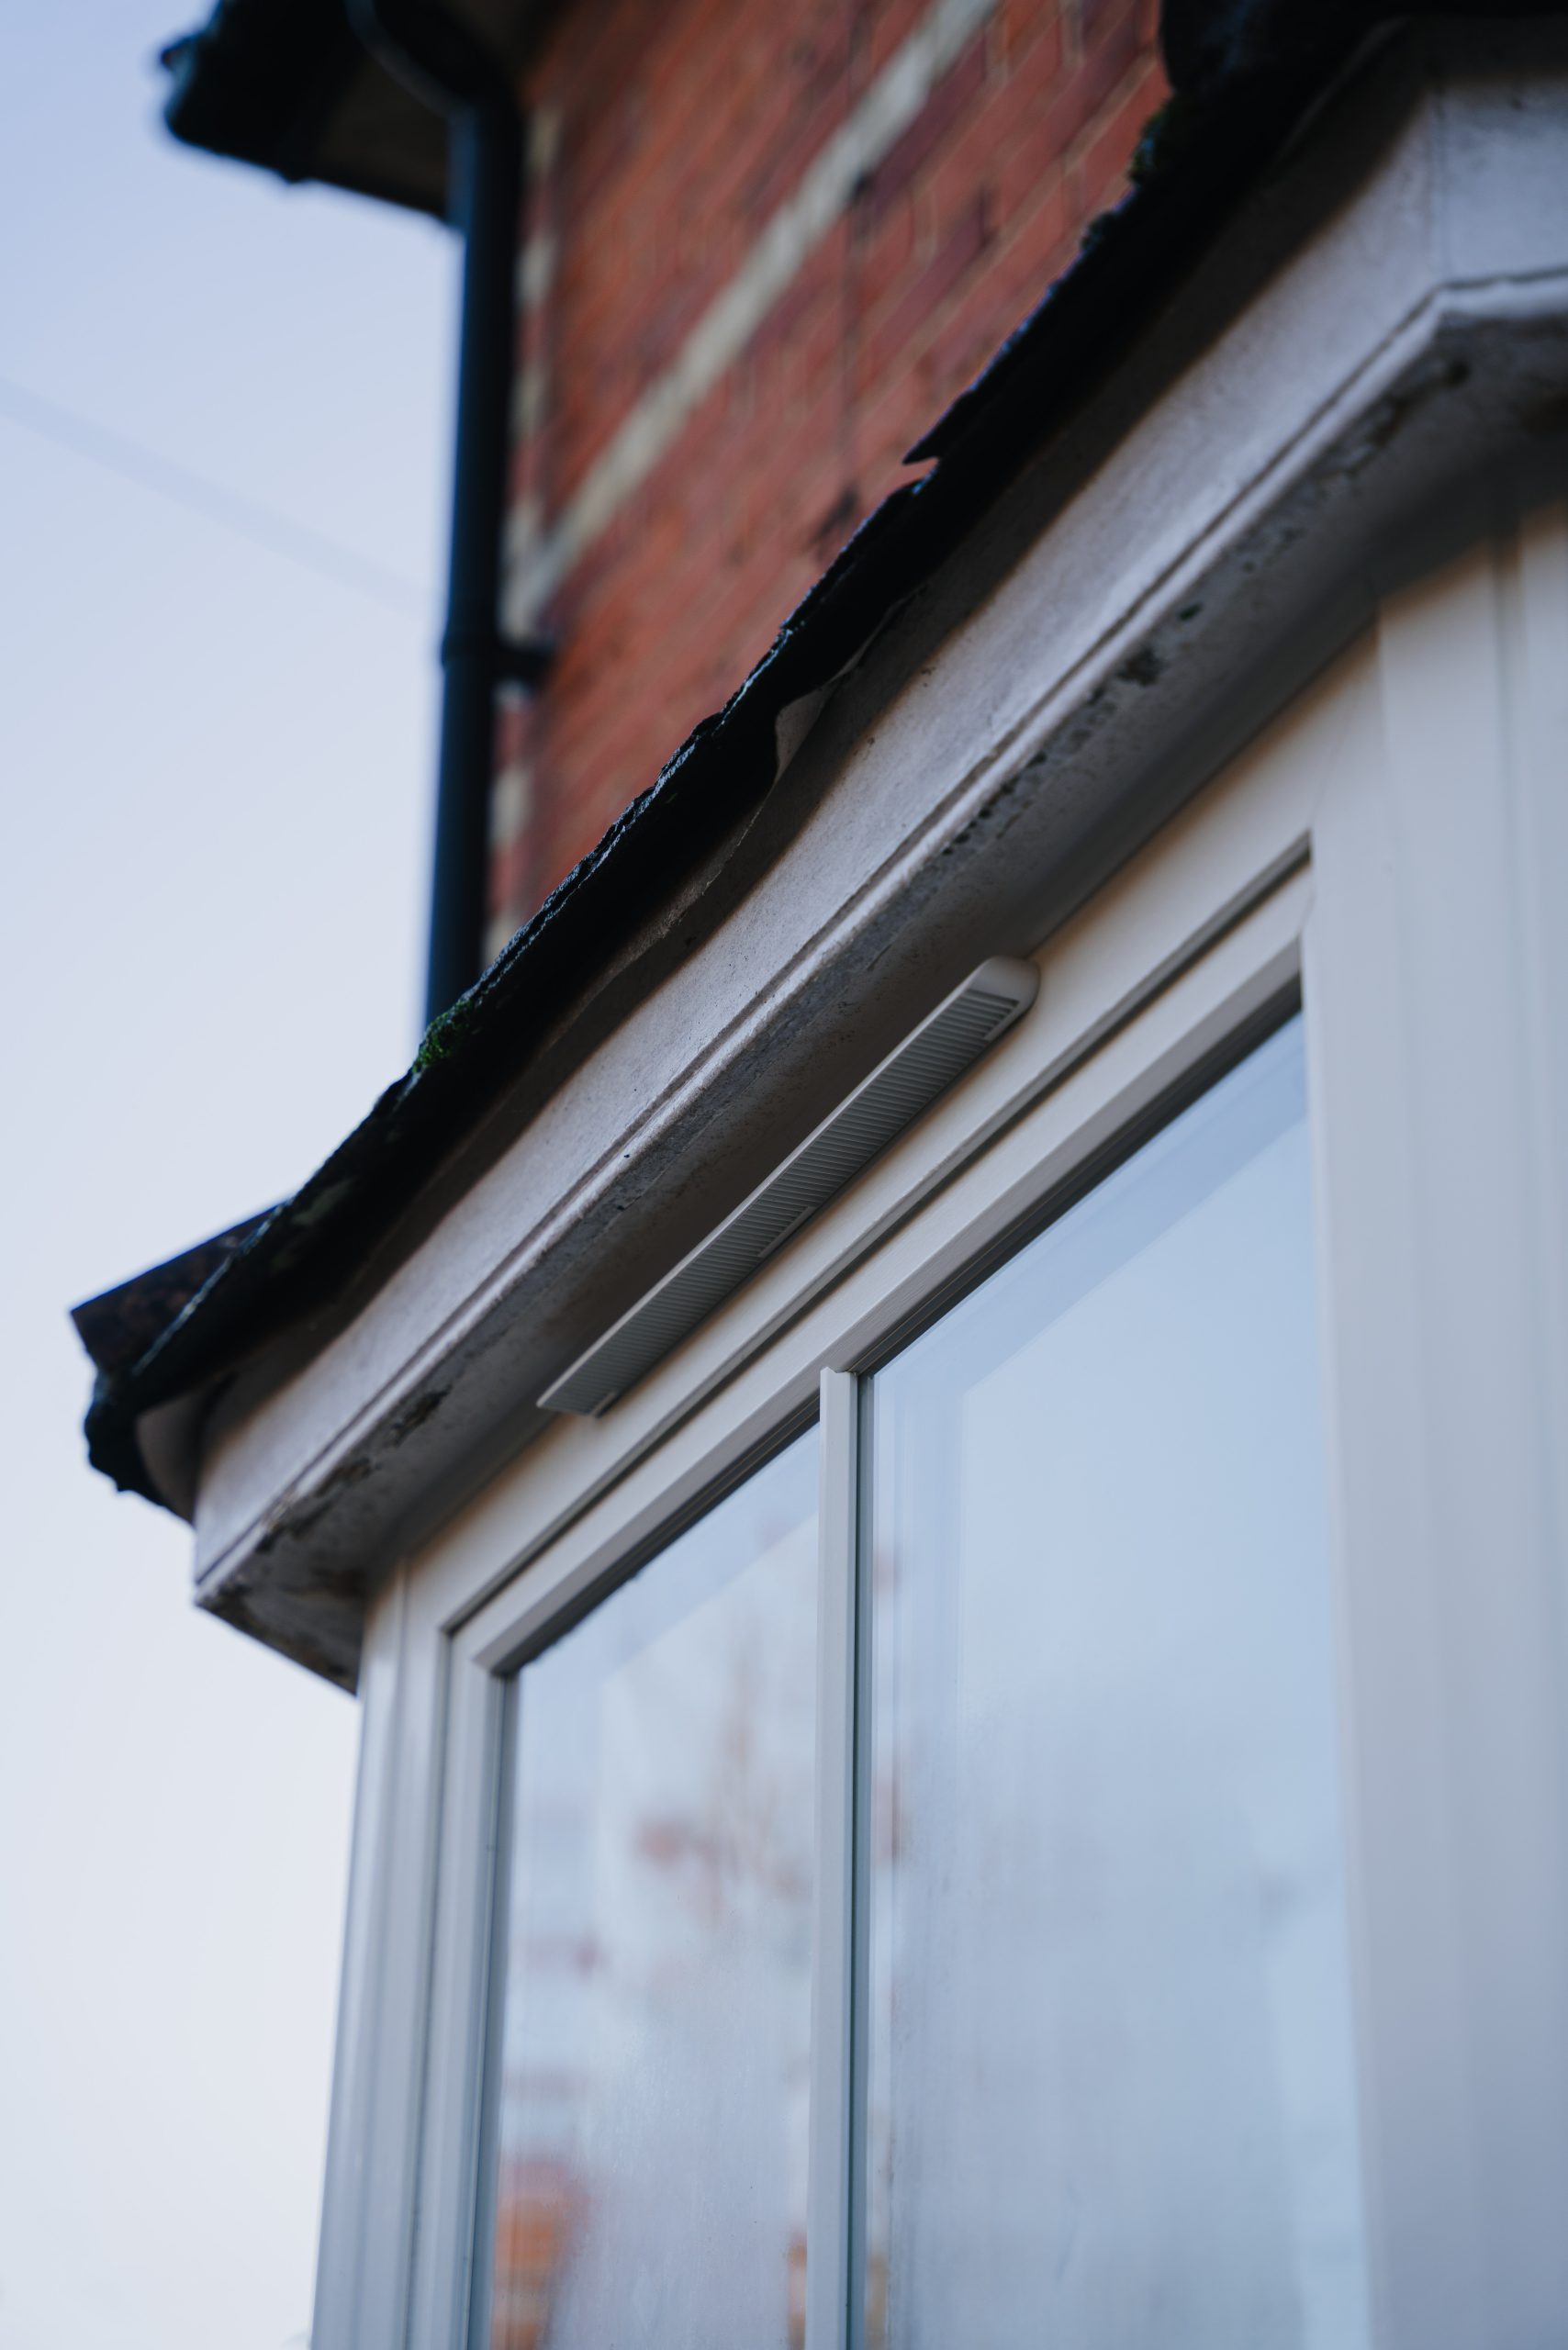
(1367, 847)
(1207, 1014)
(1092, 1110)
(837, 2186)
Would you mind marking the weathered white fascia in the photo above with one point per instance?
(1370, 368)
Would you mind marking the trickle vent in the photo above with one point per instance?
(890, 1099)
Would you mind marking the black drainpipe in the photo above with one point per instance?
(442, 62)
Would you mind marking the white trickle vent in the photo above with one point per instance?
(890, 1099)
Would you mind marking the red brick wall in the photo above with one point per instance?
(668, 137)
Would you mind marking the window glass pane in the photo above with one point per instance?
(654, 2060)
(1110, 2103)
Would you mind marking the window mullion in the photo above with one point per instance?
(830, 2155)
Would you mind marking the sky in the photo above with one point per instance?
(224, 414)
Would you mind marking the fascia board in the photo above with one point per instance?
(1383, 358)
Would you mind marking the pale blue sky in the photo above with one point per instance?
(217, 764)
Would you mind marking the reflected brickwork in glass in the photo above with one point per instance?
(1110, 2102)
(655, 2032)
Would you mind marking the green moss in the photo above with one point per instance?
(445, 1037)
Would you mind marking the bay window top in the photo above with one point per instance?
(1376, 335)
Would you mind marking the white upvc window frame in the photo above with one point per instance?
(1316, 867)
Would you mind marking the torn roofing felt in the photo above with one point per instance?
(1245, 73)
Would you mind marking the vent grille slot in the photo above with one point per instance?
(859, 1130)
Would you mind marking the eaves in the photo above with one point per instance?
(289, 85)
(1367, 363)
(1208, 153)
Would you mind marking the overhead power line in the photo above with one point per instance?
(209, 499)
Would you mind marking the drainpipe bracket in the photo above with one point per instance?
(509, 660)
(524, 660)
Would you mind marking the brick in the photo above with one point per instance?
(1104, 165)
(956, 92)
(1092, 83)
(1011, 122)
(817, 283)
(1020, 24)
(671, 165)
(914, 313)
(1017, 282)
(889, 28)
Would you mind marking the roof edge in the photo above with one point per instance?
(258, 83)
(1205, 152)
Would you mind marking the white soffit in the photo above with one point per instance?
(900, 1090)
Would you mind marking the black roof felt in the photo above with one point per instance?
(1245, 73)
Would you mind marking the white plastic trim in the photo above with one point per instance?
(1397, 841)
(898, 1092)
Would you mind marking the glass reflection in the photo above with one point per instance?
(1110, 2095)
(650, 2183)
